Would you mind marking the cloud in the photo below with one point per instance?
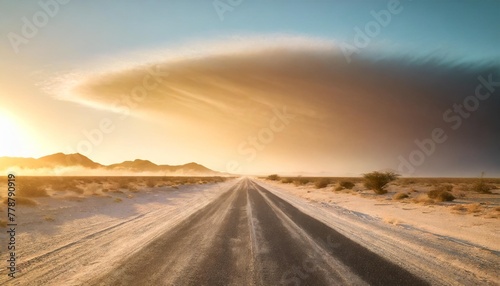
(364, 113)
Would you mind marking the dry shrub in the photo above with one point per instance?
(423, 199)
(474, 208)
(286, 180)
(322, 183)
(460, 208)
(442, 193)
(377, 181)
(150, 183)
(339, 188)
(482, 188)
(301, 181)
(346, 184)
(400, 196)
(118, 200)
(273, 177)
(32, 191)
(49, 218)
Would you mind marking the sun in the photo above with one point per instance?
(14, 140)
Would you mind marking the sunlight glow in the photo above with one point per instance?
(15, 141)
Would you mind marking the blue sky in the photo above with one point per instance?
(464, 29)
(436, 47)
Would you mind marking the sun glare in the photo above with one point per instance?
(15, 141)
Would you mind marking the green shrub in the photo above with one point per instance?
(377, 181)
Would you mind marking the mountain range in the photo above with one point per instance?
(79, 160)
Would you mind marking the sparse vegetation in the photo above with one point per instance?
(322, 183)
(273, 177)
(377, 181)
(481, 187)
(299, 181)
(32, 190)
(440, 194)
(400, 196)
(346, 184)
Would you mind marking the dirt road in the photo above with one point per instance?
(249, 236)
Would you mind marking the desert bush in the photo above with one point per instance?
(400, 196)
(481, 187)
(301, 181)
(339, 188)
(118, 200)
(474, 208)
(322, 183)
(31, 190)
(286, 180)
(441, 195)
(347, 185)
(423, 199)
(273, 177)
(459, 208)
(377, 181)
(444, 188)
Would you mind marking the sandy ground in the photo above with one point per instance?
(433, 240)
(86, 235)
(67, 239)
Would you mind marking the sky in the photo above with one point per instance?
(335, 88)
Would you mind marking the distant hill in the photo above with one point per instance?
(78, 160)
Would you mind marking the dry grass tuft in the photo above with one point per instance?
(400, 196)
(442, 193)
(49, 218)
(117, 200)
(474, 208)
(423, 199)
(393, 221)
(460, 208)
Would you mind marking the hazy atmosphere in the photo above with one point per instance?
(258, 87)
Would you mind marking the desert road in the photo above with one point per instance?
(249, 236)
